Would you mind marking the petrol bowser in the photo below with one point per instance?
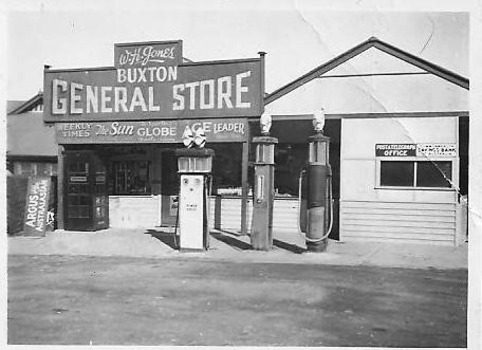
(194, 167)
(316, 210)
(263, 201)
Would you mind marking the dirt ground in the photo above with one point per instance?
(137, 301)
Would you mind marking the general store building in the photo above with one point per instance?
(399, 143)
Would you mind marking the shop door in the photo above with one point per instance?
(169, 189)
(86, 203)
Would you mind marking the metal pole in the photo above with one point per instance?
(60, 187)
(244, 188)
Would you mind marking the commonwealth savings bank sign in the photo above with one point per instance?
(149, 81)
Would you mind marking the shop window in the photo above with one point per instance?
(397, 173)
(434, 174)
(130, 177)
(44, 169)
(25, 168)
(227, 168)
(416, 173)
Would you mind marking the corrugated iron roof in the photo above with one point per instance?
(13, 105)
(27, 106)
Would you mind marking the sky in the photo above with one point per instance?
(297, 35)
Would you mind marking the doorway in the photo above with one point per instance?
(291, 154)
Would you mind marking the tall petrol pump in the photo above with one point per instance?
(263, 201)
(318, 192)
(194, 167)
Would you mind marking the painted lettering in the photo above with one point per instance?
(105, 99)
(240, 89)
(117, 129)
(74, 98)
(178, 104)
(139, 75)
(59, 105)
(92, 99)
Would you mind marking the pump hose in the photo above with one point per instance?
(300, 180)
(209, 180)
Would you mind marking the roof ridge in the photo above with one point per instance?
(373, 41)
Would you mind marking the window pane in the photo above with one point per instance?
(131, 177)
(396, 173)
(434, 174)
(27, 168)
(43, 169)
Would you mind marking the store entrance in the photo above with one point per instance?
(291, 155)
(86, 203)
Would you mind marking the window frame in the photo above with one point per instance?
(112, 172)
(454, 173)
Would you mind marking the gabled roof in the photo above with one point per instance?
(360, 48)
(28, 105)
(13, 105)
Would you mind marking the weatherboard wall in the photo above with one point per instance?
(369, 211)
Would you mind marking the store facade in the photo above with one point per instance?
(398, 128)
(117, 129)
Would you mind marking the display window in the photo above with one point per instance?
(130, 177)
(414, 173)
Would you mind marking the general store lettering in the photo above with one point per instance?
(211, 93)
(103, 99)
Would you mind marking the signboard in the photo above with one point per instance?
(36, 206)
(395, 150)
(156, 131)
(436, 150)
(416, 150)
(136, 56)
(150, 82)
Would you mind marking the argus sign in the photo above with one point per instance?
(149, 81)
(36, 206)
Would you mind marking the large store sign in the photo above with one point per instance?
(415, 150)
(148, 82)
(155, 131)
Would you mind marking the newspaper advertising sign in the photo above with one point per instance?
(36, 206)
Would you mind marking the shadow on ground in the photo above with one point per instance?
(169, 238)
(231, 241)
(289, 247)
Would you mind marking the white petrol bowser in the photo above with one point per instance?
(316, 197)
(194, 167)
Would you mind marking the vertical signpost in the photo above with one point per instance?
(37, 205)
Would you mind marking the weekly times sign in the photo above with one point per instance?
(149, 81)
